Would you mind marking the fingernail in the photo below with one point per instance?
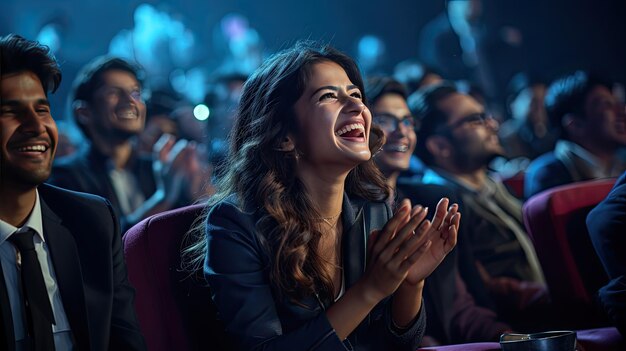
(427, 244)
(426, 209)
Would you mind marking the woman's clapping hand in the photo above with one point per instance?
(409, 247)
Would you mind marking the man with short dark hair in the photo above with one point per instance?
(108, 106)
(592, 124)
(63, 281)
(457, 139)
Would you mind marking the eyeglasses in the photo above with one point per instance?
(118, 92)
(473, 120)
(390, 123)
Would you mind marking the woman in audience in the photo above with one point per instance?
(299, 248)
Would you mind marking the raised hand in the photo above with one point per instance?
(442, 235)
(393, 250)
(170, 166)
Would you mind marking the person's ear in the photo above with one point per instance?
(439, 147)
(287, 144)
(81, 111)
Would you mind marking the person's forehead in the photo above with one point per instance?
(599, 91)
(458, 105)
(327, 73)
(538, 89)
(118, 76)
(391, 102)
(20, 86)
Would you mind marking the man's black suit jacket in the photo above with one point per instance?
(84, 243)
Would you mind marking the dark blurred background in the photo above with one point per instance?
(185, 44)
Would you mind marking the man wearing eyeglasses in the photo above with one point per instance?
(457, 139)
(454, 314)
(108, 106)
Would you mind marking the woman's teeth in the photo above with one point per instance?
(349, 128)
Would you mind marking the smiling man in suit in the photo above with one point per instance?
(63, 282)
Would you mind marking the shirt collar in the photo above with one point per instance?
(568, 147)
(489, 188)
(34, 222)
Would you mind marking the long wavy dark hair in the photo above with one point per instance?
(264, 177)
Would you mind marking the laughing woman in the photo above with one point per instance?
(299, 248)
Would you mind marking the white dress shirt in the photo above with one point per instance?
(62, 332)
(126, 189)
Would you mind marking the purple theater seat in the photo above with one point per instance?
(175, 311)
(601, 339)
(555, 221)
(479, 346)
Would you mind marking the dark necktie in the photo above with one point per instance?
(38, 310)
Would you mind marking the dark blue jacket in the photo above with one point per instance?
(607, 229)
(545, 172)
(237, 269)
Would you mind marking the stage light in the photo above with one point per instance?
(201, 112)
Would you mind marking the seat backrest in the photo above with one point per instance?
(555, 221)
(175, 311)
(515, 184)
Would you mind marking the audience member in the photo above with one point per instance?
(159, 120)
(457, 139)
(592, 125)
(71, 140)
(607, 229)
(63, 282)
(109, 108)
(527, 133)
(415, 75)
(453, 316)
(222, 101)
(288, 232)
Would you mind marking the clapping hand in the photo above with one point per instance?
(174, 164)
(409, 247)
(442, 236)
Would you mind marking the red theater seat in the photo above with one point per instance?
(175, 311)
(515, 184)
(555, 220)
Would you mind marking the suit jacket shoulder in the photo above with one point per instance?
(83, 238)
(545, 172)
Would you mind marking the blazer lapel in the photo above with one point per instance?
(353, 242)
(66, 262)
